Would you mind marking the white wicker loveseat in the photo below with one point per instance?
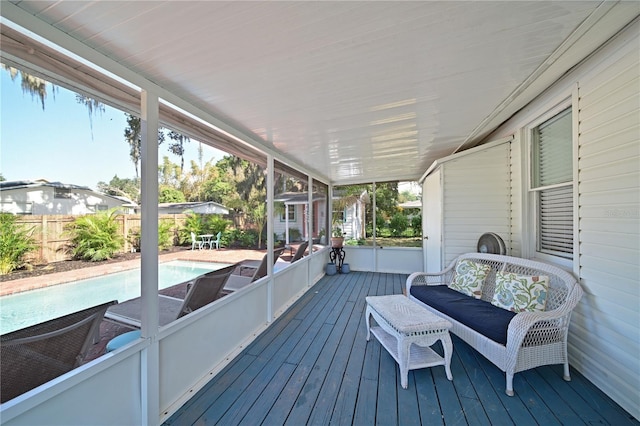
(532, 338)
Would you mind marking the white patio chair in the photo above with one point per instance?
(195, 241)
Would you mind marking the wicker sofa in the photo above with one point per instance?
(512, 341)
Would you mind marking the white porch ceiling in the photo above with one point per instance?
(352, 91)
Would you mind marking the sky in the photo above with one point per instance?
(57, 144)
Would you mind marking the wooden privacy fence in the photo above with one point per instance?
(52, 239)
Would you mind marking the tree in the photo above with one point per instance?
(169, 174)
(195, 181)
(168, 194)
(258, 216)
(35, 86)
(247, 180)
(133, 136)
(129, 188)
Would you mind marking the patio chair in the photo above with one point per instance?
(195, 241)
(205, 289)
(37, 354)
(217, 240)
(237, 282)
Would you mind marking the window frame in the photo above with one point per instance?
(532, 204)
(292, 208)
(62, 193)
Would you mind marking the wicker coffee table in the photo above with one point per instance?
(402, 323)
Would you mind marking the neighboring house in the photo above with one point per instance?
(199, 207)
(41, 197)
(352, 217)
(295, 213)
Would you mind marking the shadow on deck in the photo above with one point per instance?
(314, 366)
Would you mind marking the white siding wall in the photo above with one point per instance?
(604, 340)
(476, 199)
(514, 245)
(279, 227)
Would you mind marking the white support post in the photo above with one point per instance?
(150, 359)
(270, 229)
(310, 225)
(286, 222)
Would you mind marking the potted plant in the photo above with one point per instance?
(337, 239)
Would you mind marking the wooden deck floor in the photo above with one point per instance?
(314, 366)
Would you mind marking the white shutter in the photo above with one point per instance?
(555, 227)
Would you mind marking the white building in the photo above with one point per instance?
(41, 197)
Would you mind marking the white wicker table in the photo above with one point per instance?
(401, 323)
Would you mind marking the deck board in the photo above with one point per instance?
(313, 365)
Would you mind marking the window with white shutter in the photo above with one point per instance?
(552, 183)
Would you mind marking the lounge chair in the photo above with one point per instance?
(300, 251)
(205, 289)
(37, 354)
(237, 282)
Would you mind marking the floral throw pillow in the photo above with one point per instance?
(520, 293)
(469, 277)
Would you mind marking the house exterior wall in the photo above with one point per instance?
(280, 226)
(604, 340)
(475, 199)
(41, 201)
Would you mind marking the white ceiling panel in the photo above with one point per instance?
(355, 91)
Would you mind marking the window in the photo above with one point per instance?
(292, 214)
(552, 185)
(61, 193)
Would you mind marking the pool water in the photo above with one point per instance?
(21, 310)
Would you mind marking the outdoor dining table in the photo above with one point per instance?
(206, 239)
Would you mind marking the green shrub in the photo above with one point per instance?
(202, 224)
(294, 234)
(398, 224)
(95, 237)
(215, 223)
(15, 242)
(238, 238)
(416, 224)
(193, 223)
(165, 236)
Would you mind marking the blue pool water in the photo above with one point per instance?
(32, 307)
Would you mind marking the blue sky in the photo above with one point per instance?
(57, 144)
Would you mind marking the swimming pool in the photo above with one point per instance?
(32, 307)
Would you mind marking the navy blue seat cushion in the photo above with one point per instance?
(481, 316)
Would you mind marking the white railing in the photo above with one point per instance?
(191, 351)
